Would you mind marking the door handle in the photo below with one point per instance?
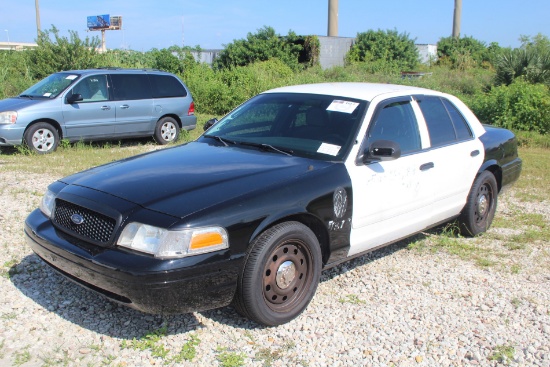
(427, 166)
(124, 106)
(105, 108)
(474, 153)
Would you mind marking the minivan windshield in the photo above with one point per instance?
(309, 125)
(51, 86)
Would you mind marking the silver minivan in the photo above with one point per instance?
(97, 104)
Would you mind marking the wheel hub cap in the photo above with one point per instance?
(285, 274)
(482, 204)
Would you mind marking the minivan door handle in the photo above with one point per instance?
(124, 106)
(105, 108)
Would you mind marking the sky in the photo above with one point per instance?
(211, 24)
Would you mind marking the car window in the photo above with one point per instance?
(396, 122)
(317, 126)
(463, 131)
(51, 86)
(440, 125)
(131, 86)
(166, 86)
(92, 88)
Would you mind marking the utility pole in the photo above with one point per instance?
(456, 19)
(37, 18)
(332, 18)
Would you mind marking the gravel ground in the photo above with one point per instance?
(394, 307)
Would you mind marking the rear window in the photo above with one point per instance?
(165, 86)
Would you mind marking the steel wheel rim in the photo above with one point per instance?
(43, 140)
(285, 285)
(484, 202)
(168, 131)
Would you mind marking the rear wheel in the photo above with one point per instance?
(280, 275)
(42, 138)
(478, 214)
(166, 131)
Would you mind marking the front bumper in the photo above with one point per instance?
(11, 134)
(138, 281)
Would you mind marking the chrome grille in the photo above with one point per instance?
(95, 226)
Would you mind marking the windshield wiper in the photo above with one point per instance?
(220, 139)
(25, 96)
(268, 147)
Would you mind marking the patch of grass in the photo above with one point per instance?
(502, 353)
(229, 358)
(534, 182)
(8, 269)
(188, 351)
(351, 298)
(151, 341)
(22, 357)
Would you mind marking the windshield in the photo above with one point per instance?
(314, 126)
(50, 87)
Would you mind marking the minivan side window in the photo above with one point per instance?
(92, 88)
(131, 86)
(166, 86)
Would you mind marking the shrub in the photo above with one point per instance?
(464, 53)
(519, 106)
(385, 50)
(261, 46)
(531, 63)
(62, 53)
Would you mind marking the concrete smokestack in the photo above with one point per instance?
(456, 19)
(332, 18)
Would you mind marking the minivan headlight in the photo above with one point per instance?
(8, 117)
(164, 244)
(46, 205)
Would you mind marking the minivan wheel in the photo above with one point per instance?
(167, 131)
(42, 138)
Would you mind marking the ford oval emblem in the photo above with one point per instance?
(77, 218)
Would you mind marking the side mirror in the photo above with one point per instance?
(382, 150)
(74, 98)
(210, 123)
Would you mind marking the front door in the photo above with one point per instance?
(94, 116)
(391, 198)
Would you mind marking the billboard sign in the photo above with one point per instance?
(97, 22)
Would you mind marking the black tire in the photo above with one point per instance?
(42, 138)
(166, 131)
(280, 275)
(478, 214)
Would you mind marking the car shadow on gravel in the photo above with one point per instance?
(56, 294)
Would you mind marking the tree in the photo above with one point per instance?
(261, 46)
(387, 47)
(61, 53)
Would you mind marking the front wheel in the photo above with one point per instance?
(42, 138)
(166, 131)
(477, 215)
(280, 275)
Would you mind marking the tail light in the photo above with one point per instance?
(191, 110)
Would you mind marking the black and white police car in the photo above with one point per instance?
(293, 181)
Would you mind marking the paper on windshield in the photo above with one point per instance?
(342, 106)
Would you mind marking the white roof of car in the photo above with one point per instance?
(364, 91)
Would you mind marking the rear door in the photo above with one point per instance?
(134, 104)
(94, 116)
(455, 154)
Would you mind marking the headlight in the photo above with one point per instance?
(8, 117)
(163, 243)
(46, 205)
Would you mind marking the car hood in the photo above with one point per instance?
(182, 180)
(15, 103)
